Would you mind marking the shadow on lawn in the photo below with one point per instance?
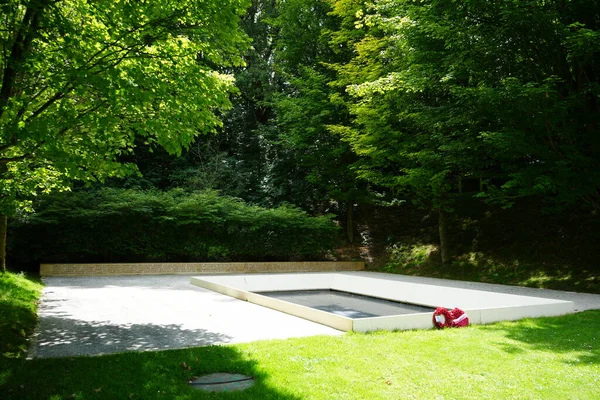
(517, 271)
(150, 375)
(575, 336)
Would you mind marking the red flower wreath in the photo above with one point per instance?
(443, 318)
(459, 318)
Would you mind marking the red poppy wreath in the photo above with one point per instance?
(444, 318)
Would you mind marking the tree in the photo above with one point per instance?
(312, 167)
(506, 92)
(81, 80)
(395, 90)
(234, 161)
(256, 82)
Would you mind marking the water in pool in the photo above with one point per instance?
(347, 304)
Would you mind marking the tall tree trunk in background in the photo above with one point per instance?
(350, 221)
(3, 225)
(443, 229)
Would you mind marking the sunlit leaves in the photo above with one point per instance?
(97, 74)
(503, 91)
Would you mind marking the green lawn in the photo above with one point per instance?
(18, 307)
(546, 358)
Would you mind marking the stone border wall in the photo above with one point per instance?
(196, 268)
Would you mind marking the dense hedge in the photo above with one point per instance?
(111, 225)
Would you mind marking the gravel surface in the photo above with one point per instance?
(102, 315)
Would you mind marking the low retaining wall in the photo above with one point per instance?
(196, 268)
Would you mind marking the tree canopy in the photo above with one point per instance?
(81, 80)
(335, 102)
(503, 92)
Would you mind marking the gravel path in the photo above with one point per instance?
(102, 315)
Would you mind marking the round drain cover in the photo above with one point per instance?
(222, 382)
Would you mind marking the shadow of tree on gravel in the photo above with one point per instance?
(61, 336)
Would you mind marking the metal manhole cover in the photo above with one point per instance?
(222, 382)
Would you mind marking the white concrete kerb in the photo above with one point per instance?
(482, 306)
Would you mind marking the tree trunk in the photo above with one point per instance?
(443, 229)
(23, 38)
(350, 221)
(3, 225)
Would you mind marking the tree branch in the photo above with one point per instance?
(8, 145)
(57, 96)
(29, 154)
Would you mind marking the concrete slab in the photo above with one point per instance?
(582, 301)
(222, 382)
(102, 315)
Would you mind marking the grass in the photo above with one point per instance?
(423, 260)
(548, 358)
(18, 305)
(523, 245)
(545, 358)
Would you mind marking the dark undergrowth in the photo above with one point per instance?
(519, 246)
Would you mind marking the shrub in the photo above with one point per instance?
(409, 256)
(111, 225)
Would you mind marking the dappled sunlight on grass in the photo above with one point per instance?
(542, 279)
(422, 260)
(18, 297)
(486, 361)
(575, 338)
(550, 358)
(522, 245)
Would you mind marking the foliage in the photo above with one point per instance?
(432, 100)
(311, 166)
(133, 225)
(504, 91)
(243, 147)
(81, 80)
(550, 358)
(407, 256)
(274, 146)
(521, 245)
